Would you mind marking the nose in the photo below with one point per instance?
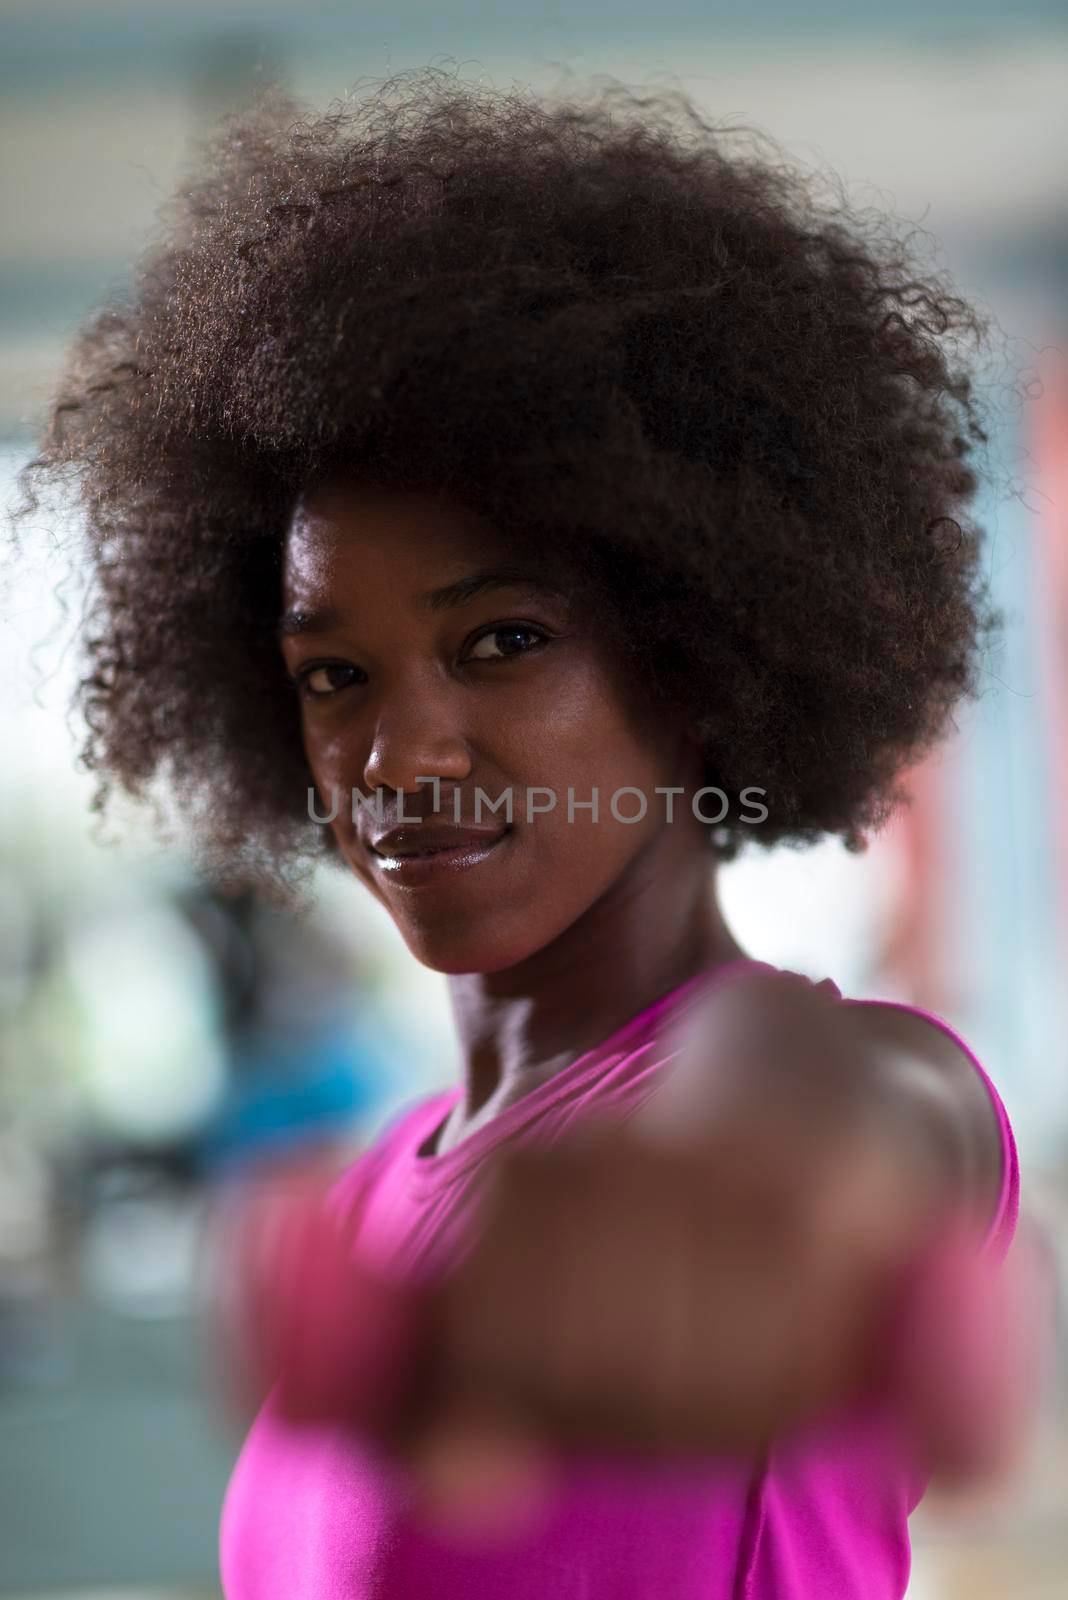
(414, 741)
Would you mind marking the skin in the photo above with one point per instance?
(572, 927)
(800, 1174)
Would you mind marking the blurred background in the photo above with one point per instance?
(157, 1035)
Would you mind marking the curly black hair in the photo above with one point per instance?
(645, 351)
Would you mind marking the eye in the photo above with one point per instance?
(508, 632)
(323, 671)
(502, 642)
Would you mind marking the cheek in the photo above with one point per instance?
(330, 758)
(331, 768)
(325, 753)
(573, 727)
(596, 738)
(584, 745)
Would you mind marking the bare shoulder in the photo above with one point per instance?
(924, 1059)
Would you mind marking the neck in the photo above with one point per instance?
(516, 1028)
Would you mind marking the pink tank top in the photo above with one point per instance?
(314, 1514)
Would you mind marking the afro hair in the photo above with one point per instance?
(738, 412)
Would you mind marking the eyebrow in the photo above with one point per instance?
(321, 619)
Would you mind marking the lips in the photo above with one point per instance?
(427, 839)
(451, 856)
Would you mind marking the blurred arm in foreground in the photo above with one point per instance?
(793, 1220)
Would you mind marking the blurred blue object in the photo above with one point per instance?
(286, 1090)
(306, 1049)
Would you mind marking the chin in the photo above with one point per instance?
(454, 957)
(486, 944)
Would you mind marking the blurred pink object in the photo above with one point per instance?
(338, 1336)
(968, 1348)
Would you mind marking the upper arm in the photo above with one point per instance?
(932, 1072)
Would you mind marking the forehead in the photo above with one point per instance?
(343, 527)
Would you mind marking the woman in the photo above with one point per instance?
(553, 499)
